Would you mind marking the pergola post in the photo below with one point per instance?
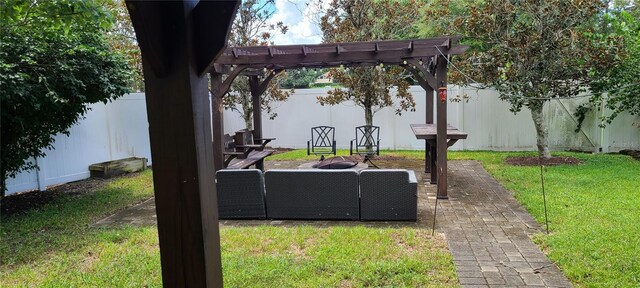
(174, 61)
(217, 120)
(428, 120)
(441, 138)
(220, 88)
(254, 87)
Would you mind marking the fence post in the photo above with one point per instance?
(42, 177)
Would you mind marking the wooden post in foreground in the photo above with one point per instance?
(175, 58)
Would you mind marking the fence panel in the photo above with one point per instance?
(111, 131)
(120, 129)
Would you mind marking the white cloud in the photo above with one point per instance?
(301, 20)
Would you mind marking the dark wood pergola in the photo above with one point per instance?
(180, 42)
(425, 59)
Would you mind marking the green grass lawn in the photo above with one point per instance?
(56, 246)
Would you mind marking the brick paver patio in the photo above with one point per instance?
(487, 230)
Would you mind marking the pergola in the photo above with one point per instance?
(425, 59)
(180, 42)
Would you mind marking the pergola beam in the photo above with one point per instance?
(333, 55)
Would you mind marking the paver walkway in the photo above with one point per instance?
(487, 230)
(488, 233)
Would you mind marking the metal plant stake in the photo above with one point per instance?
(544, 196)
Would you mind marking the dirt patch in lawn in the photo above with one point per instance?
(535, 161)
(19, 203)
(389, 157)
(278, 150)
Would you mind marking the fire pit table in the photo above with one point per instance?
(336, 163)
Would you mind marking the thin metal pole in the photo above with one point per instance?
(435, 212)
(544, 196)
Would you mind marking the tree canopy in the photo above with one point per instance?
(252, 28)
(55, 60)
(370, 87)
(533, 51)
(617, 89)
(300, 78)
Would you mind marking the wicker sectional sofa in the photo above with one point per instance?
(317, 194)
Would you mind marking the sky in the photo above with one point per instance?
(301, 20)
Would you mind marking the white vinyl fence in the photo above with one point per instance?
(490, 124)
(109, 132)
(120, 129)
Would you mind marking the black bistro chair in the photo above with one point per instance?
(367, 143)
(322, 141)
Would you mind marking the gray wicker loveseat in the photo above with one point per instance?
(371, 195)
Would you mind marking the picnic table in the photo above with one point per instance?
(429, 134)
(242, 150)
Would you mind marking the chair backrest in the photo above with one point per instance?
(322, 136)
(367, 137)
(244, 136)
(229, 143)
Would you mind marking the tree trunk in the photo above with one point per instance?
(368, 118)
(247, 115)
(368, 115)
(248, 122)
(542, 132)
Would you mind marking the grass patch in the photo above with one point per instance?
(334, 257)
(56, 246)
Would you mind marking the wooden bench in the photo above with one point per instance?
(241, 151)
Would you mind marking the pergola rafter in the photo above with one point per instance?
(425, 59)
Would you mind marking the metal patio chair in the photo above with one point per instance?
(367, 143)
(322, 141)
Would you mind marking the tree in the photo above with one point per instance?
(300, 78)
(55, 60)
(621, 82)
(123, 39)
(359, 20)
(252, 28)
(532, 51)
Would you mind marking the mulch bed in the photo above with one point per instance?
(19, 203)
(535, 161)
(633, 153)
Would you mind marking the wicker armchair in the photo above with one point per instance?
(388, 194)
(240, 194)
